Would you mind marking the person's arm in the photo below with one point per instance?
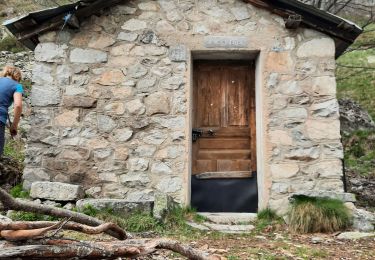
(17, 97)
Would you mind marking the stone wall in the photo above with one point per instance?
(111, 101)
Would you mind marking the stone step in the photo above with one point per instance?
(231, 229)
(229, 218)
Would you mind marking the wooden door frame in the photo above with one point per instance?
(257, 57)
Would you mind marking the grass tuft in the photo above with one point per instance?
(311, 215)
(18, 192)
(267, 214)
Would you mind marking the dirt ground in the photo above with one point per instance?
(279, 244)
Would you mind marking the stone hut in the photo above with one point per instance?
(225, 105)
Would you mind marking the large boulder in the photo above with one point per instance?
(353, 117)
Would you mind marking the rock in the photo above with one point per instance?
(157, 103)
(56, 191)
(135, 107)
(4, 219)
(145, 85)
(88, 56)
(354, 235)
(50, 52)
(31, 175)
(231, 229)
(138, 164)
(134, 179)
(45, 95)
(229, 218)
(197, 226)
(134, 25)
(363, 220)
(323, 47)
(303, 153)
(178, 53)
(79, 101)
(325, 109)
(240, 13)
(353, 117)
(317, 240)
(118, 206)
(130, 37)
(106, 124)
(160, 168)
(284, 170)
(169, 184)
(343, 196)
(162, 204)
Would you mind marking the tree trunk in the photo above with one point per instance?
(58, 248)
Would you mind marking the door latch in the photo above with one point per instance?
(196, 133)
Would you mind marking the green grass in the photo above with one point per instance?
(9, 43)
(18, 192)
(358, 83)
(29, 216)
(311, 215)
(174, 222)
(359, 153)
(265, 218)
(14, 148)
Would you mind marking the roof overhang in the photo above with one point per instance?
(27, 28)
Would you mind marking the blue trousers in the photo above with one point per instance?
(2, 138)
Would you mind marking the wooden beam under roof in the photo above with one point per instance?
(57, 22)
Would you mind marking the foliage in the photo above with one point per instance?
(9, 43)
(135, 222)
(267, 214)
(356, 71)
(30, 216)
(267, 218)
(359, 150)
(310, 215)
(18, 192)
(14, 148)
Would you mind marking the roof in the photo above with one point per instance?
(295, 13)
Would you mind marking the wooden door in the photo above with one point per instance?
(224, 112)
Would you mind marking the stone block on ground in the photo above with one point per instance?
(162, 204)
(343, 196)
(118, 206)
(56, 191)
(4, 219)
(354, 235)
(363, 220)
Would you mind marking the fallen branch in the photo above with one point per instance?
(17, 235)
(57, 248)
(27, 225)
(10, 203)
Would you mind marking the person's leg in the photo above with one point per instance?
(2, 138)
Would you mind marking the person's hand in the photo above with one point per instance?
(13, 130)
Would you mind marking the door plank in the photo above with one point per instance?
(221, 143)
(224, 154)
(233, 165)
